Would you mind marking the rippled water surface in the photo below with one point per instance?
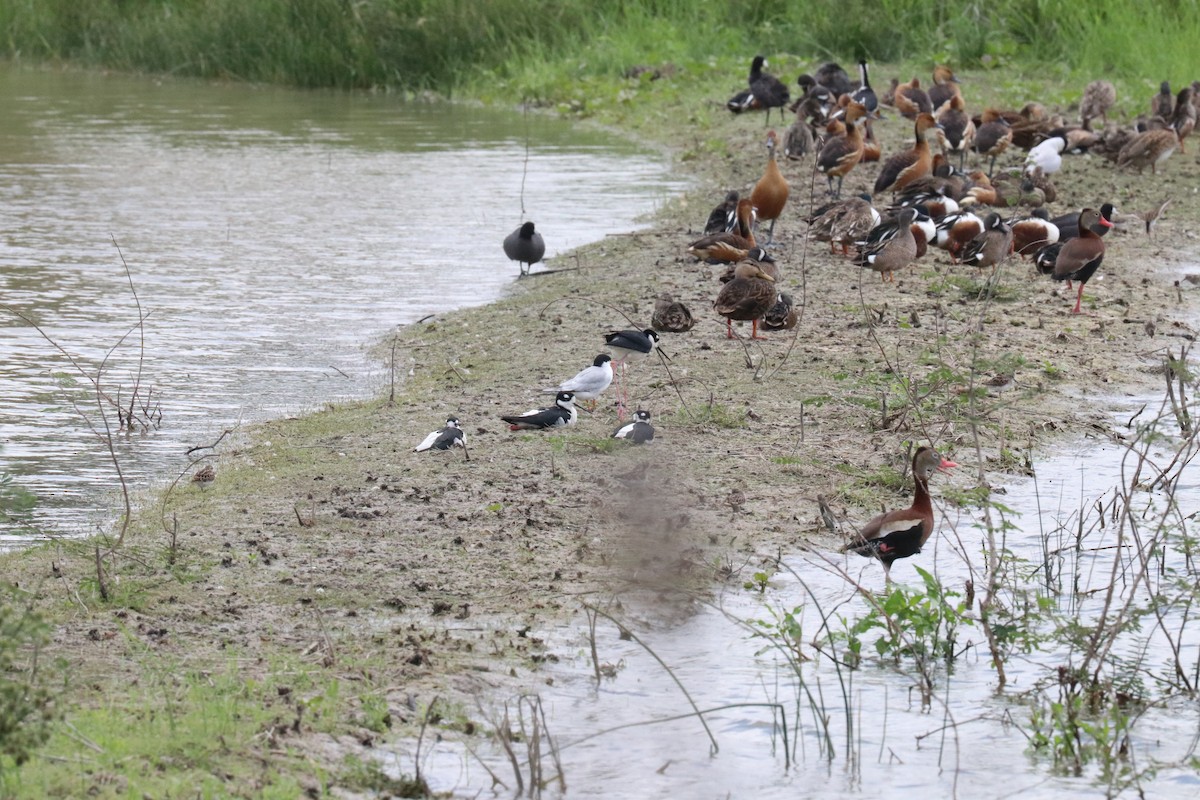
(270, 235)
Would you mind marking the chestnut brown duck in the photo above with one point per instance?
(903, 532)
(1080, 257)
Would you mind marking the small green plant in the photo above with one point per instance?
(26, 701)
(758, 582)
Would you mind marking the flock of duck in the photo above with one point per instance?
(933, 203)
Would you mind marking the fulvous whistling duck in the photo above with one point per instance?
(842, 154)
(525, 246)
(902, 533)
(958, 130)
(748, 296)
(992, 247)
(1080, 257)
(765, 91)
(905, 167)
(911, 100)
(891, 254)
(1163, 103)
(770, 194)
(1150, 149)
(717, 246)
(992, 137)
(1098, 98)
(724, 215)
(1033, 233)
(945, 86)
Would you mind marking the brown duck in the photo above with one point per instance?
(842, 153)
(917, 162)
(889, 255)
(770, 194)
(945, 86)
(992, 247)
(749, 296)
(958, 129)
(992, 137)
(728, 246)
(1080, 257)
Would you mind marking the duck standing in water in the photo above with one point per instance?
(902, 533)
(525, 246)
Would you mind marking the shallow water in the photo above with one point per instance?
(879, 740)
(271, 236)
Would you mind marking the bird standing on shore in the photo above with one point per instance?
(770, 194)
(902, 533)
(590, 382)
(525, 246)
(1080, 257)
(630, 345)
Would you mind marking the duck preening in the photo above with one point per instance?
(562, 413)
(1098, 98)
(902, 533)
(724, 215)
(525, 246)
(992, 247)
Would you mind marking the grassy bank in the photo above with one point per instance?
(533, 49)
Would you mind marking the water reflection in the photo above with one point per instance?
(270, 234)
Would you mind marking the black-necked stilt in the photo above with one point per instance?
(630, 344)
(445, 438)
(561, 413)
(639, 431)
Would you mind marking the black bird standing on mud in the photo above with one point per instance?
(765, 91)
(525, 246)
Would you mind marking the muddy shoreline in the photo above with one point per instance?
(326, 544)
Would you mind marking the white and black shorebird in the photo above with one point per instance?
(561, 413)
(590, 382)
(630, 345)
(445, 438)
(639, 431)
(525, 246)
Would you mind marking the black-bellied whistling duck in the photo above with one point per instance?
(911, 100)
(748, 296)
(992, 137)
(992, 247)
(1184, 118)
(1148, 149)
(891, 254)
(770, 194)
(1068, 224)
(724, 215)
(903, 168)
(945, 86)
(843, 222)
(716, 246)
(902, 533)
(525, 246)
(958, 130)
(765, 92)
(864, 93)
(1079, 258)
(1163, 103)
(842, 154)
(1033, 233)
(1098, 98)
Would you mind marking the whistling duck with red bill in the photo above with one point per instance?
(902, 533)
(1080, 257)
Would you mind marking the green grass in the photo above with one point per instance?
(573, 53)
